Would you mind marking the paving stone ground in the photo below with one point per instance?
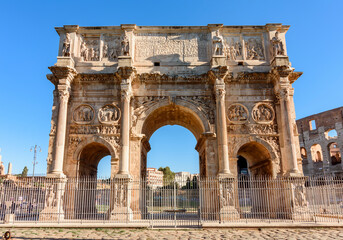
(188, 234)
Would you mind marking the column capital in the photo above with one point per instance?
(282, 94)
(217, 75)
(63, 93)
(125, 74)
(62, 75)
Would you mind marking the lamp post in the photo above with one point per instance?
(35, 148)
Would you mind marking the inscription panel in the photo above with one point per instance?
(172, 47)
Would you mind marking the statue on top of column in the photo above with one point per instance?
(218, 44)
(2, 167)
(66, 46)
(277, 45)
(125, 46)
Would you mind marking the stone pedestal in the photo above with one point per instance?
(53, 209)
(218, 61)
(299, 210)
(227, 189)
(9, 218)
(64, 62)
(120, 209)
(280, 61)
(124, 61)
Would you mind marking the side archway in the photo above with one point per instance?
(258, 153)
(88, 154)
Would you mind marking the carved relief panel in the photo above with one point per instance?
(172, 47)
(233, 48)
(237, 113)
(263, 113)
(90, 48)
(83, 114)
(109, 114)
(111, 47)
(254, 49)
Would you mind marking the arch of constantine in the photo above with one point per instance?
(231, 86)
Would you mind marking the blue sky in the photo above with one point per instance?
(29, 45)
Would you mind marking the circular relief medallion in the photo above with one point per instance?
(237, 113)
(83, 114)
(263, 113)
(109, 114)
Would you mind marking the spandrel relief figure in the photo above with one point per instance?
(218, 44)
(125, 46)
(277, 46)
(263, 113)
(254, 49)
(66, 46)
(237, 113)
(83, 114)
(109, 114)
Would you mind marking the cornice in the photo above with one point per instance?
(294, 76)
(63, 74)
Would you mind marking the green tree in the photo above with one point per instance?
(24, 172)
(168, 175)
(195, 182)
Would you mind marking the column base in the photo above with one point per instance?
(56, 175)
(301, 214)
(51, 214)
(122, 176)
(9, 218)
(121, 214)
(294, 174)
(222, 176)
(229, 213)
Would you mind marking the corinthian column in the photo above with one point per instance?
(64, 77)
(63, 94)
(223, 152)
(288, 144)
(126, 94)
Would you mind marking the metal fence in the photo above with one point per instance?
(190, 202)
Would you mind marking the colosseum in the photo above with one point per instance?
(321, 142)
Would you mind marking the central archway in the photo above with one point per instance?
(180, 113)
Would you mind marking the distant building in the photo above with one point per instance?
(321, 142)
(154, 177)
(181, 177)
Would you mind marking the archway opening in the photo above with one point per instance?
(317, 157)
(258, 158)
(331, 134)
(335, 153)
(179, 140)
(90, 157)
(255, 191)
(242, 166)
(173, 149)
(93, 193)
